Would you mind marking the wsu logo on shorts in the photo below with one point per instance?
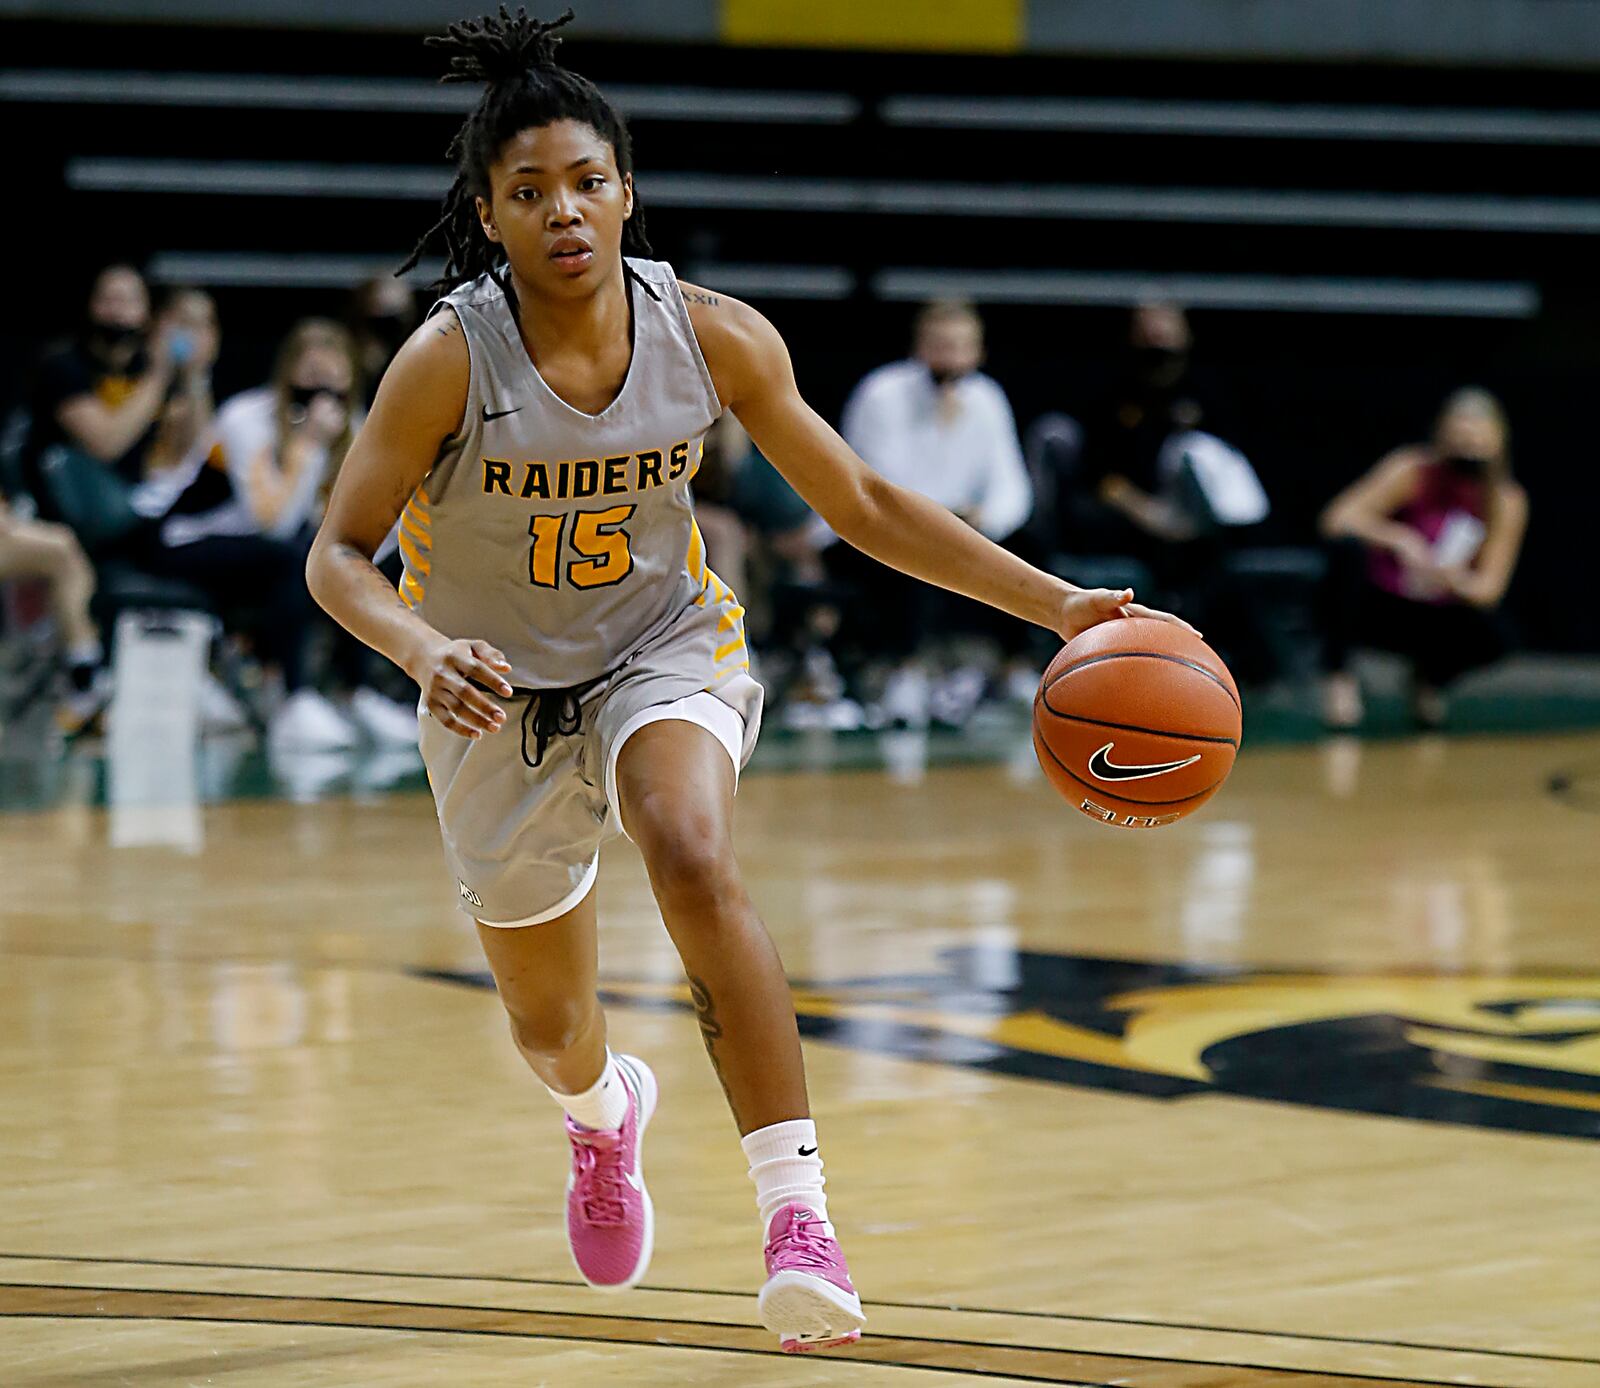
(469, 896)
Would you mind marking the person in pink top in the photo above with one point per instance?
(1422, 549)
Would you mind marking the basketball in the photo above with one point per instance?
(1137, 722)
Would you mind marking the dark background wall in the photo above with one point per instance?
(1313, 398)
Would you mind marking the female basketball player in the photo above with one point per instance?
(581, 669)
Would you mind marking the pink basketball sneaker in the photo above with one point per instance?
(610, 1220)
(808, 1300)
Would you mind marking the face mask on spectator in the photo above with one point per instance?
(1464, 466)
(300, 397)
(1159, 365)
(108, 338)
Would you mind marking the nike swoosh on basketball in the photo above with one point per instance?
(1102, 768)
(489, 414)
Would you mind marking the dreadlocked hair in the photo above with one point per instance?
(526, 87)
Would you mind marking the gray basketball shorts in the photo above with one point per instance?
(523, 843)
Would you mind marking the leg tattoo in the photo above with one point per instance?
(705, 1011)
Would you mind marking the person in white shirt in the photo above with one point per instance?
(937, 425)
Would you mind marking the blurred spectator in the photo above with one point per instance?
(727, 539)
(1151, 403)
(381, 315)
(1422, 550)
(269, 459)
(1098, 485)
(38, 549)
(255, 486)
(196, 338)
(1160, 505)
(103, 391)
(764, 541)
(939, 426)
(777, 530)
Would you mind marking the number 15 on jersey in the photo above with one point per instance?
(597, 541)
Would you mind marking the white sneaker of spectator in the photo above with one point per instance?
(305, 774)
(956, 696)
(220, 712)
(307, 722)
(385, 767)
(843, 716)
(834, 715)
(384, 720)
(822, 675)
(905, 697)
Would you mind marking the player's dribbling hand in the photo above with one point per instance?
(448, 674)
(1089, 607)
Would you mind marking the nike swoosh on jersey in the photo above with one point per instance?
(1102, 768)
(489, 414)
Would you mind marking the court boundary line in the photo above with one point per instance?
(1310, 1375)
(576, 1284)
(553, 1338)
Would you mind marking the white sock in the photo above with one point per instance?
(785, 1167)
(604, 1104)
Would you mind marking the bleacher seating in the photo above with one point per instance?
(1406, 230)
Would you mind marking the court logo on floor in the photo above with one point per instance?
(1521, 1053)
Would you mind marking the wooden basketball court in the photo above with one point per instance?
(1305, 1090)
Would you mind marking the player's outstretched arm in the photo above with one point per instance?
(419, 405)
(754, 378)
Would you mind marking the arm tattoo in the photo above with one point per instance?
(710, 1032)
(695, 297)
(347, 553)
(450, 324)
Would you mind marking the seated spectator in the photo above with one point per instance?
(39, 549)
(269, 458)
(764, 542)
(939, 426)
(381, 315)
(103, 391)
(255, 485)
(191, 317)
(1150, 403)
(727, 539)
(1422, 550)
(1142, 488)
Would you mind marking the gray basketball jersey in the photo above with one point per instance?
(566, 539)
